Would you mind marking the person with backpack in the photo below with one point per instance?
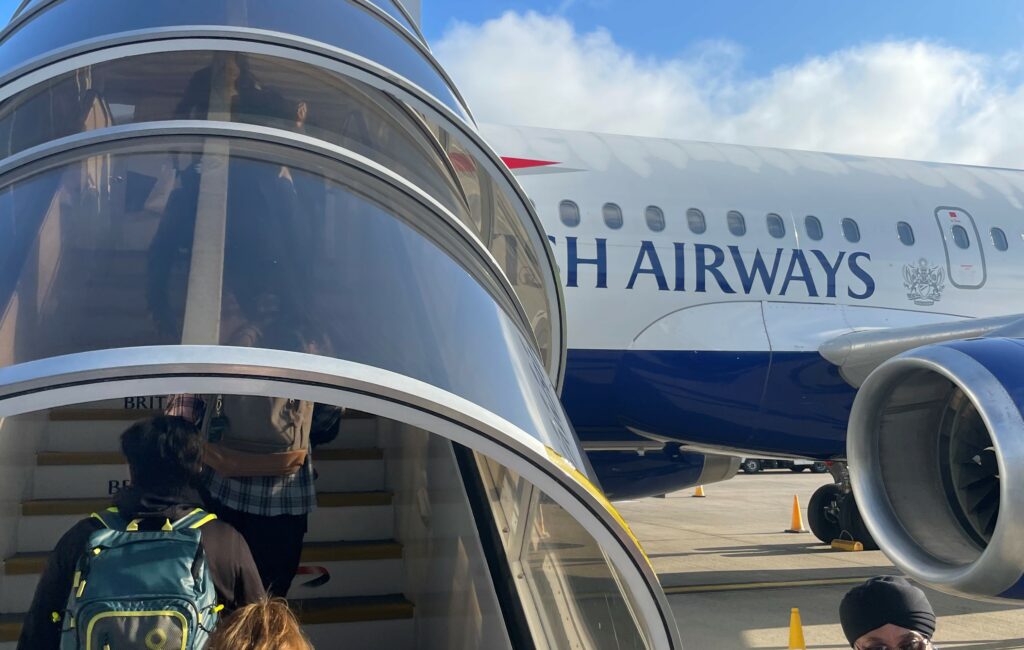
(155, 569)
(259, 473)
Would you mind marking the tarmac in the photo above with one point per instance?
(732, 575)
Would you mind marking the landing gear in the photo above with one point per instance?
(853, 522)
(823, 513)
(832, 512)
(750, 466)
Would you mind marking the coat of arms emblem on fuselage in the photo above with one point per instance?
(924, 283)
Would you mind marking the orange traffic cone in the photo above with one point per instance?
(797, 522)
(796, 631)
(699, 492)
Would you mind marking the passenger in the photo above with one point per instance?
(164, 460)
(268, 499)
(266, 625)
(887, 613)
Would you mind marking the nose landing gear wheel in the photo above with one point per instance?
(823, 513)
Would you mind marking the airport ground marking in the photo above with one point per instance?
(750, 586)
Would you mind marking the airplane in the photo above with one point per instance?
(760, 302)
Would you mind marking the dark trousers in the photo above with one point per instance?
(275, 544)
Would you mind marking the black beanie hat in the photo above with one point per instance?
(884, 600)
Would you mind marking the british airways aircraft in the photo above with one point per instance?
(762, 302)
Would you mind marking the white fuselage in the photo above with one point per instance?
(761, 288)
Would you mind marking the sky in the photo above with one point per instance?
(933, 80)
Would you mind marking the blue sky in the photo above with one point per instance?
(770, 33)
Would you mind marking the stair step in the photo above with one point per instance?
(334, 612)
(58, 458)
(79, 458)
(350, 516)
(351, 568)
(87, 414)
(357, 608)
(100, 474)
(10, 628)
(50, 507)
(33, 562)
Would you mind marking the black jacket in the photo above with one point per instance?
(234, 574)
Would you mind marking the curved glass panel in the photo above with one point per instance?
(812, 225)
(569, 213)
(228, 86)
(612, 214)
(504, 232)
(338, 23)
(776, 226)
(566, 577)
(655, 218)
(275, 92)
(851, 231)
(961, 238)
(999, 239)
(169, 240)
(906, 233)
(695, 220)
(737, 224)
(389, 7)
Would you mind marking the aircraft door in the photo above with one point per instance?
(965, 257)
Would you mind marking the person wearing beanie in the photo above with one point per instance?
(887, 613)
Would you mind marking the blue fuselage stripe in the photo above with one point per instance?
(790, 403)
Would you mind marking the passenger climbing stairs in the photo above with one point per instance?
(350, 583)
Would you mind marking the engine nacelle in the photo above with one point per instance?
(936, 451)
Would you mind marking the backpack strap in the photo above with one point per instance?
(195, 519)
(110, 518)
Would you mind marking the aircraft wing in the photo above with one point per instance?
(858, 353)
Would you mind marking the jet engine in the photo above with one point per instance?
(936, 451)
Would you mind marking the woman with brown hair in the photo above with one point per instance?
(266, 625)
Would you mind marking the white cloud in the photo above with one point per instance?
(908, 99)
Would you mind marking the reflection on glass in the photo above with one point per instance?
(251, 89)
(122, 248)
(346, 25)
(571, 594)
(272, 92)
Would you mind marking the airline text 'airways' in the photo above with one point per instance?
(707, 268)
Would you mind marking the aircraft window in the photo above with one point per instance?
(612, 215)
(569, 213)
(695, 219)
(776, 226)
(655, 218)
(999, 239)
(737, 224)
(960, 237)
(906, 233)
(812, 225)
(851, 231)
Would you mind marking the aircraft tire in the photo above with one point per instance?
(823, 513)
(797, 468)
(853, 523)
(819, 468)
(750, 466)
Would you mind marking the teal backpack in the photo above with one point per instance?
(141, 589)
